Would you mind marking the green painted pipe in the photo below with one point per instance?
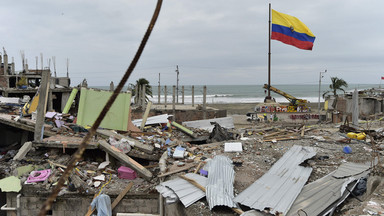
(184, 129)
(70, 100)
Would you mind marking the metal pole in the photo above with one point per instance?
(177, 84)
(158, 91)
(165, 96)
(318, 104)
(173, 103)
(269, 54)
(193, 96)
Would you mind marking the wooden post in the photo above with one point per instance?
(111, 86)
(173, 102)
(182, 94)
(146, 115)
(41, 108)
(205, 103)
(165, 96)
(193, 95)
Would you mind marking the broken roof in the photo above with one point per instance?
(279, 187)
(226, 122)
(187, 193)
(221, 176)
(317, 196)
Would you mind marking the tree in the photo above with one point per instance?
(139, 86)
(337, 84)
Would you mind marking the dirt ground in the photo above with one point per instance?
(259, 156)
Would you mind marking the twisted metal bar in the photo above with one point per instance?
(78, 154)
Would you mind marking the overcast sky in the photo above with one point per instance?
(212, 42)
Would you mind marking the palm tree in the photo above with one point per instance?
(139, 86)
(337, 84)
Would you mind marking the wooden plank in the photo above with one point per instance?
(121, 195)
(178, 170)
(60, 145)
(145, 116)
(90, 210)
(23, 151)
(184, 129)
(126, 160)
(138, 145)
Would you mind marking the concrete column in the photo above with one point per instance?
(137, 95)
(111, 86)
(165, 96)
(173, 102)
(158, 94)
(41, 108)
(182, 94)
(193, 96)
(205, 103)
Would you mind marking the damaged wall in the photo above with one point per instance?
(183, 115)
(75, 204)
(367, 105)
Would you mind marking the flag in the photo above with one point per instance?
(382, 78)
(290, 30)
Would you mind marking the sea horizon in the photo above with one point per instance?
(244, 93)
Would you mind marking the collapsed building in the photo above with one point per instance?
(182, 162)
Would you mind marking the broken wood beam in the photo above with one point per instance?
(126, 160)
(282, 138)
(23, 151)
(145, 116)
(184, 129)
(61, 144)
(121, 195)
(176, 171)
(138, 145)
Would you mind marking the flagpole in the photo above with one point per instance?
(269, 54)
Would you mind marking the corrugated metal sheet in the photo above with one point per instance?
(317, 196)
(187, 193)
(221, 176)
(226, 122)
(168, 194)
(159, 119)
(279, 187)
(350, 169)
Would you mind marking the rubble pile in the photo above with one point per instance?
(161, 152)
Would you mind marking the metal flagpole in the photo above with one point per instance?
(269, 54)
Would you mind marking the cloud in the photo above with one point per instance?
(213, 42)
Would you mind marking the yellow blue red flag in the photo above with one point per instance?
(290, 30)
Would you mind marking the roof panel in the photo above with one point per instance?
(279, 187)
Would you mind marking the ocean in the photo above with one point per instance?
(246, 93)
